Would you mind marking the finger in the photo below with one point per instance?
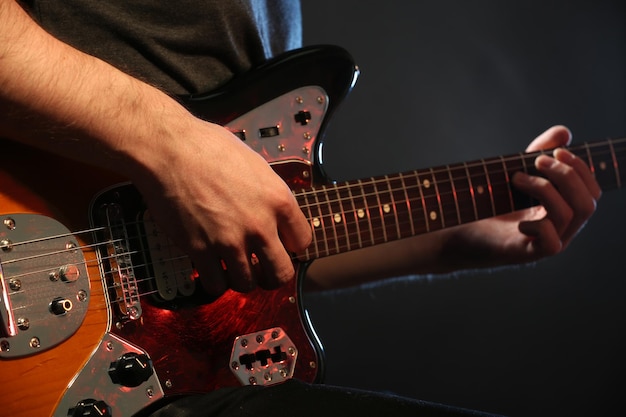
(293, 228)
(572, 190)
(557, 209)
(552, 138)
(276, 265)
(239, 271)
(212, 276)
(582, 169)
(544, 238)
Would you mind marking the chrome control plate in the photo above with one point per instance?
(265, 357)
(45, 286)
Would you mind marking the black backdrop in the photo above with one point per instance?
(454, 80)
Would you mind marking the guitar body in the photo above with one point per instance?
(111, 324)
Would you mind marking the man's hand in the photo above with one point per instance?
(225, 207)
(567, 196)
(216, 198)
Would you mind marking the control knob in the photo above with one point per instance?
(131, 369)
(90, 407)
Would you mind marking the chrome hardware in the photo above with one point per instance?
(9, 223)
(173, 270)
(15, 284)
(40, 244)
(279, 133)
(96, 373)
(6, 245)
(266, 357)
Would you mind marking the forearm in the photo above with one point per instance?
(61, 100)
(423, 254)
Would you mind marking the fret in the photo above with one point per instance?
(386, 209)
(364, 216)
(445, 196)
(375, 210)
(619, 152)
(318, 221)
(615, 166)
(416, 203)
(333, 218)
(402, 206)
(480, 190)
(343, 237)
(430, 200)
(454, 195)
(348, 212)
(471, 191)
(499, 186)
(354, 229)
(303, 202)
(464, 200)
(394, 207)
(489, 187)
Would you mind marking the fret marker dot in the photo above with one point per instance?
(316, 222)
(386, 208)
(337, 218)
(426, 184)
(360, 213)
(603, 166)
(433, 215)
(480, 189)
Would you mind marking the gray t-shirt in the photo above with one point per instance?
(180, 46)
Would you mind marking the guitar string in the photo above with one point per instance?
(373, 181)
(149, 278)
(434, 171)
(329, 201)
(363, 196)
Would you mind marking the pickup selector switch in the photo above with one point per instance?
(131, 369)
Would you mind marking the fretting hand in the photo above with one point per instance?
(567, 196)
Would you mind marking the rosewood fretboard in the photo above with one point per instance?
(356, 214)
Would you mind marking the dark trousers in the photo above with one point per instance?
(297, 399)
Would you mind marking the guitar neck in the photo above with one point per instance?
(356, 214)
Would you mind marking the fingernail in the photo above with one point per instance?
(564, 155)
(544, 162)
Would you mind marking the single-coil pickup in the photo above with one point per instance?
(173, 270)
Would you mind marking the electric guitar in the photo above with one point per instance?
(100, 314)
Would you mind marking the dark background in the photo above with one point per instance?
(454, 80)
